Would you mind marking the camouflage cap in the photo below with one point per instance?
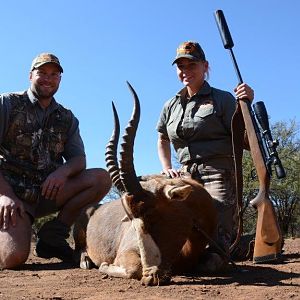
(45, 58)
(191, 50)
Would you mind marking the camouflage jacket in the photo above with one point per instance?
(30, 144)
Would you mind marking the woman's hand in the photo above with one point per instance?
(171, 173)
(164, 154)
(244, 91)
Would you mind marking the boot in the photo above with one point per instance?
(217, 256)
(243, 250)
(212, 263)
(52, 241)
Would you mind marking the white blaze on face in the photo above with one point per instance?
(150, 253)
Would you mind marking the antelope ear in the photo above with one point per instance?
(133, 205)
(178, 193)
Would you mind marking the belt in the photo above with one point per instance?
(202, 160)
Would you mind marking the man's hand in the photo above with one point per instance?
(56, 180)
(54, 183)
(9, 211)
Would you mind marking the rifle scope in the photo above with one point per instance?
(269, 144)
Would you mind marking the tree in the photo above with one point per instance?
(284, 193)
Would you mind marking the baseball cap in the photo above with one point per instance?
(191, 50)
(45, 58)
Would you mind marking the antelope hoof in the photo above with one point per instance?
(150, 280)
(85, 261)
(103, 267)
(150, 276)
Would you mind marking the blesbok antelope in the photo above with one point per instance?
(159, 227)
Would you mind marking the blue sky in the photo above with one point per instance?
(101, 44)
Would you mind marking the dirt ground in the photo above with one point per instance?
(51, 279)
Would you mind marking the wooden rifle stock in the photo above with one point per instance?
(268, 238)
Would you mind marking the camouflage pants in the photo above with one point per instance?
(220, 183)
(30, 193)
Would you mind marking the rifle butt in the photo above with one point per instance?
(268, 238)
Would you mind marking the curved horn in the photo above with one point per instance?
(127, 171)
(111, 153)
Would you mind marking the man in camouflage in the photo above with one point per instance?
(42, 168)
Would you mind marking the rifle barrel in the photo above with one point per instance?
(227, 40)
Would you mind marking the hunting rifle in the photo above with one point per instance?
(268, 238)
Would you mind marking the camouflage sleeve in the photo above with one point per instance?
(74, 146)
(4, 115)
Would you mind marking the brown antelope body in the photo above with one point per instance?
(159, 227)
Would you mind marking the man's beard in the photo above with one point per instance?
(40, 93)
